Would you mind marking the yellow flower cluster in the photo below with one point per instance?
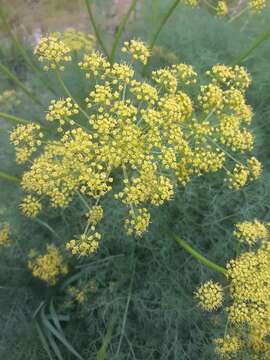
(257, 5)
(85, 244)
(9, 99)
(242, 174)
(53, 52)
(210, 296)
(248, 309)
(61, 110)
(222, 9)
(137, 49)
(76, 40)
(185, 74)
(152, 135)
(250, 232)
(227, 346)
(138, 223)
(47, 267)
(30, 206)
(4, 234)
(95, 214)
(27, 139)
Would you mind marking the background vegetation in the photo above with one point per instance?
(142, 306)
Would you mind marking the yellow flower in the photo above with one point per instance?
(138, 50)
(53, 52)
(221, 9)
(47, 267)
(210, 296)
(251, 231)
(30, 206)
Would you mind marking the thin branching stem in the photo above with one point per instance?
(210, 264)
(245, 54)
(96, 30)
(160, 28)
(121, 29)
(10, 178)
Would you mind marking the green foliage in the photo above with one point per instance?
(142, 307)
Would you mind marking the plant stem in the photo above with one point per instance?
(94, 25)
(14, 78)
(5, 176)
(238, 14)
(210, 264)
(162, 24)
(66, 90)
(121, 29)
(244, 55)
(15, 119)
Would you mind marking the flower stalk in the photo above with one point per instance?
(202, 259)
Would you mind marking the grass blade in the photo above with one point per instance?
(14, 78)
(54, 316)
(43, 340)
(54, 346)
(58, 335)
(107, 339)
(245, 54)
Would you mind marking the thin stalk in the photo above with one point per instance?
(94, 25)
(23, 52)
(5, 176)
(121, 29)
(66, 90)
(238, 14)
(245, 54)
(14, 119)
(210, 264)
(14, 78)
(160, 28)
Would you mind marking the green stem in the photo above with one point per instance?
(238, 14)
(121, 29)
(5, 176)
(94, 25)
(23, 52)
(162, 24)
(210, 264)
(66, 90)
(13, 77)
(14, 119)
(244, 55)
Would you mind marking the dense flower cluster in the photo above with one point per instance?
(155, 134)
(4, 234)
(210, 296)
(27, 139)
(47, 267)
(138, 50)
(53, 51)
(248, 303)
